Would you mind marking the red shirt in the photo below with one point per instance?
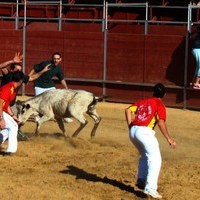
(148, 111)
(8, 94)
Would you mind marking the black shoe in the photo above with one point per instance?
(141, 183)
(7, 154)
(141, 187)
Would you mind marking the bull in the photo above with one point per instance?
(60, 104)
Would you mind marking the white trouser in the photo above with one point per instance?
(10, 132)
(150, 161)
(39, 90)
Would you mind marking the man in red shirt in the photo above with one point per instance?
(8, 121)
(142, 118)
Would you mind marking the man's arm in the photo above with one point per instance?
(11, 113)
(163, 129)
(17, 59)
(31, 72)
(33, 75)
(129, 116)
(2, 121)
(63, 82)
(5, 64)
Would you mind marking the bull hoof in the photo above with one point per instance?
(74, 136)
(67, 137)
(67, 120)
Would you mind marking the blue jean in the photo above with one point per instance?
(196, 54)
(150, 161)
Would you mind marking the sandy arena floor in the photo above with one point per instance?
(104, 168)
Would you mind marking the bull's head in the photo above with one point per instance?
(24, 111)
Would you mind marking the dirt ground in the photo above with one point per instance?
(104, 168)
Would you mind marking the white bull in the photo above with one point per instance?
(59, 104)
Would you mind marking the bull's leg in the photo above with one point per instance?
(82, 125)
(95, 128)
(93, 114)
(78, 114)
(61, 126)
(43, 119)
(37, 129)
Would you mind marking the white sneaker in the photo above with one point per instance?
(155, 195)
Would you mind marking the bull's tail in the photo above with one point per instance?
(97, 99)
(101, 98)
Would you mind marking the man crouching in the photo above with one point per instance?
(8, 121)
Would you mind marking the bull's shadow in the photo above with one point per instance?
(81, 174)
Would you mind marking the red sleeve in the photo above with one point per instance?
(161, 111)
(5, 93)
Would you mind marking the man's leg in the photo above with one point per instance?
(12, 130)
(142, 166)
(146, 137)
(39, 90)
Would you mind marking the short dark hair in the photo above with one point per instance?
(159, 90)
(56, 53)
(18, 76)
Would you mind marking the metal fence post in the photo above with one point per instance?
(146, 20)
(60, 16)
(17, 16)
(24, 45)
(105, 21)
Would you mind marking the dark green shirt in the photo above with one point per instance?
(45, 80)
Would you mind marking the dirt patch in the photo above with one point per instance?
(103, 168)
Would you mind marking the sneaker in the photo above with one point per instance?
(4, 153)
(155, 195)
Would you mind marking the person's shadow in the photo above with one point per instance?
(81, 174)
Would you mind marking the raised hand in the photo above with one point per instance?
(17, 58)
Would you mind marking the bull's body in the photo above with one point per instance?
(59, 104)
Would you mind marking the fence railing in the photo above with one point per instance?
(18, 11)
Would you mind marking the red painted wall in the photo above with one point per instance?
(132, 57)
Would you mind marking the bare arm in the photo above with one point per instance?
(5, 64)
(31, 72)
(17, 59)
(129, 116)
(33, 75)
(63, 82)
(2, 121)
(11, 113)
(163, 129)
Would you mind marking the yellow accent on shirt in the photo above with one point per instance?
(152, 122)
(12, 90)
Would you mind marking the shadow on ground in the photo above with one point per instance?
(81, 174)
